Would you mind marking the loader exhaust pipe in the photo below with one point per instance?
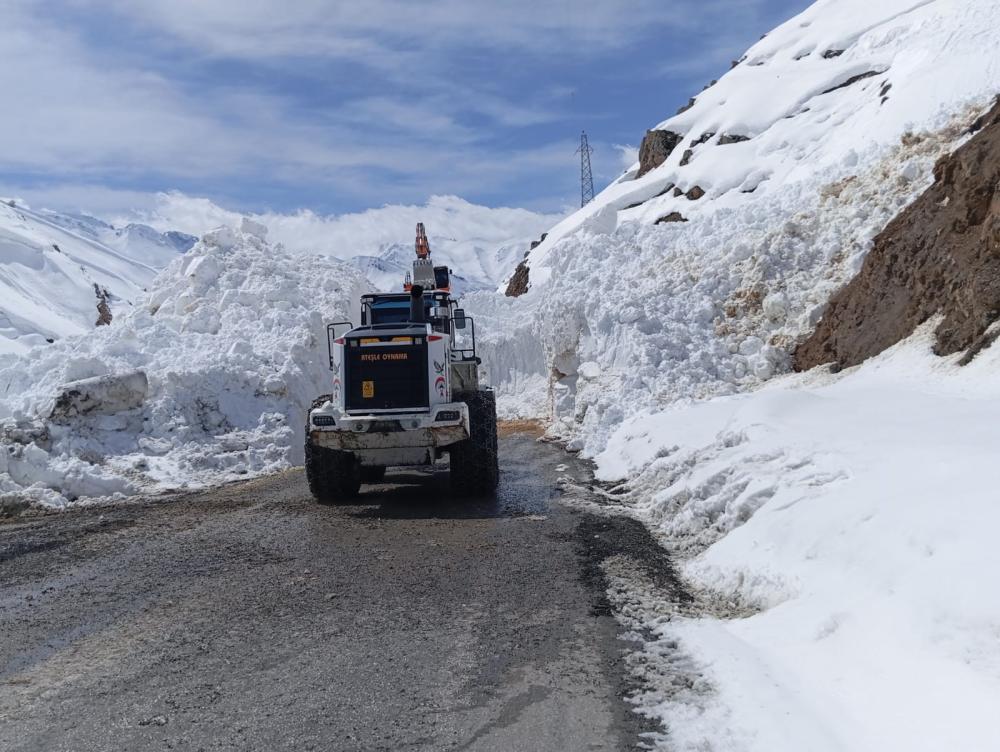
(417, 305)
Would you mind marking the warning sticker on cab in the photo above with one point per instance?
(367, 389)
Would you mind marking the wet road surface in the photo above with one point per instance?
(251, 618)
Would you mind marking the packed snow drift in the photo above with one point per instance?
(839, 532)
(206, 378)
(56, 269)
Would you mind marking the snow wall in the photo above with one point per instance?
(207, 379)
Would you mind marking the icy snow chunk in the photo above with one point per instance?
(103, 395)
(223, 238)
(203, 270)
(751, 346)
(603, 222)
(911, 171)
(775, 306)
(250, 227)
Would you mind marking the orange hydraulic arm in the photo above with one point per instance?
(423, 246)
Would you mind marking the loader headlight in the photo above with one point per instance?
(324, 420)
(447, 415)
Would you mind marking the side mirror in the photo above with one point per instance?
(333, 333)
(458, 319)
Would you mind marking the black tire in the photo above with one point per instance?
(334, 476)
(372, 473)
(475, 467)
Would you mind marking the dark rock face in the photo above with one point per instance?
(695, 193)
(684, 108)
(104, 316)
(940, 256)
(655, 148)
(853, 80)
(536, 243)
(672, 217)
(518, 284)
(731, 138)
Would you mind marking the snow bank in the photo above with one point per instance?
(207, 379)
(857, 515)
(513, 356)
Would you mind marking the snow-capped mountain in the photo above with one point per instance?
(57, 269)
(479, 243)
(474, 264)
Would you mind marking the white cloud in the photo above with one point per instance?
(390, 31)
(627, 155)
(81, 112)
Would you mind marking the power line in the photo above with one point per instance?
(586, 175)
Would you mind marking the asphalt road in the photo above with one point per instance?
(251, 618)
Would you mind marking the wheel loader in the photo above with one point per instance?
(405, 392)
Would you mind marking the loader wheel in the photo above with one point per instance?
(372, 473)
(334, 476)
(474, 464)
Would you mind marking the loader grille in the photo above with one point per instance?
(386, 374)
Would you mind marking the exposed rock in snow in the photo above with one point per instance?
(656, 146)
(941, 256)
(518, 284)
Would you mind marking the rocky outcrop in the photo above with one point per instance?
(518, 284)
(939, 257)
(655, 148)
(104, 316)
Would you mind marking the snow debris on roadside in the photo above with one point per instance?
(854, 516)
(207, 379)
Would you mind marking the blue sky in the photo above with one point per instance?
(265, 105)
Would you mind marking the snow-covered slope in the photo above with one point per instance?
(56, 268)
(631, 313)
(206, 378)
(481, 244)
(824, 95)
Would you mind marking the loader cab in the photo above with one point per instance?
(394, 308)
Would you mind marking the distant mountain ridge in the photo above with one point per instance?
(56, 269)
